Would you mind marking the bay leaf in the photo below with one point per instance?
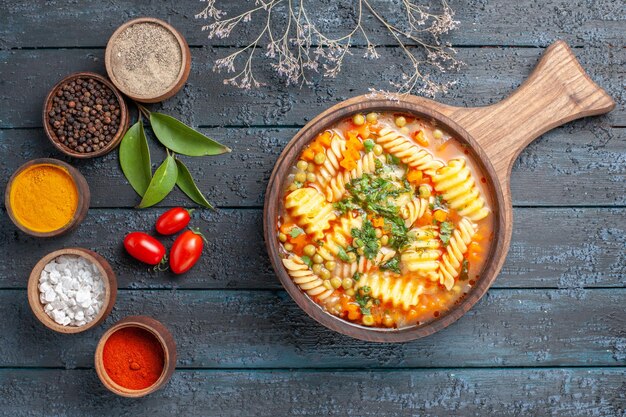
(162, 183)
(188, 186)
(135, 158)
(182, 139)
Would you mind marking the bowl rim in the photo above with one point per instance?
(160, 332)
(124, 116)
(82, 187)
(110, 289)
(183, 73)
(286, 160)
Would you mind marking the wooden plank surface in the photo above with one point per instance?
(519, 23)
(579, 165)
(562, 392)
(549, 338)
(236, 255)
(489, 75)
(266, 329)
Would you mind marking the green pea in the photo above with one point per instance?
(300, 177)
(319, 158)
(325, 274)
(288, 247)
(330, 265)
(317, 258)
(368, 320)
(424, 191)
(400, 121)
(310, 177)
(328, 284)
(309, 250)
(378, 150)
(358, 119)
(347, 283)
(379, 233)
(384, 240)
(335, 282)
(351, 257)
(317, 268)
(282, 237)
(302, 165)
(371, 117)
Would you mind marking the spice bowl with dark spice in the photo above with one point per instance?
(85, 116)
(147, 60)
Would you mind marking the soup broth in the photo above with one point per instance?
(385, 220)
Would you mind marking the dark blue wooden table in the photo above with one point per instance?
(548, 338)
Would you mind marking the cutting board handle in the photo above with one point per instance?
(557, 91)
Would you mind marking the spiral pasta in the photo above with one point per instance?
(339, 237)
(311, 210)
(459, 189)
(304, 278)
(451, 261)
(363, 265)
(337, 185)
(413, 210)
(330, 167)
(423, 254)
(408, 152)
(398, 290)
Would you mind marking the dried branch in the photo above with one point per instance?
(298, 48)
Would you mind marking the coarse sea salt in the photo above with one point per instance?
(71, 289)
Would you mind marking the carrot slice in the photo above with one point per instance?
(414, 176)
(420, 138)
(378, 222)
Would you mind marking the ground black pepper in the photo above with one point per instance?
(85, 115)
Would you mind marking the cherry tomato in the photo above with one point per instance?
(144, 247)
(172, 221)
(186, 251)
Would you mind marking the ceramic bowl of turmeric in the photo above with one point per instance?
(135, 357)
(46, 197)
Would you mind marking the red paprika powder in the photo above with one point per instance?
(133, 358)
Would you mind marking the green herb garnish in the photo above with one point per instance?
(445, 232)
(307, 261)
(392, 265)
(295, 232)
(342, 254)
(362, 298)
(399, 236)
(356, 276)
(369, 145)
(345, 206)
(367, 235)
(438, 204)
(393, 160)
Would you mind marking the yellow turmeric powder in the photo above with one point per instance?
(44, 197)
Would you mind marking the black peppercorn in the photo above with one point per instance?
(78, 115)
